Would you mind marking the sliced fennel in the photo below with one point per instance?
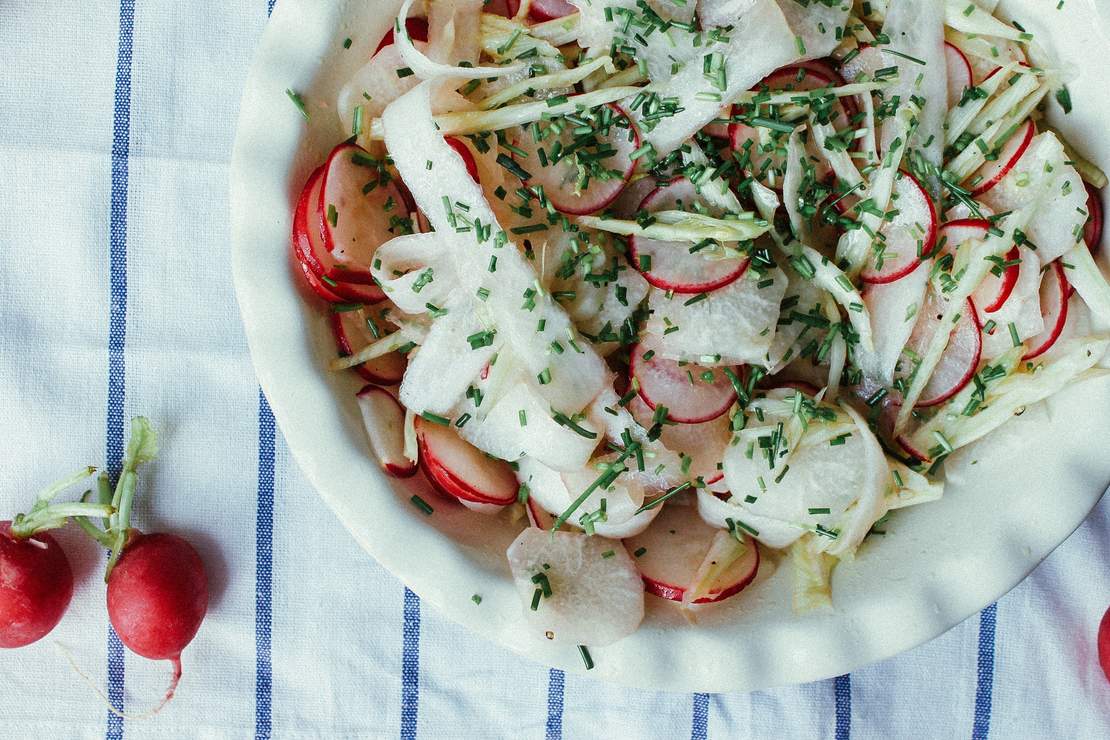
(681, 226)
(968, 17)
(1087, 279)
(563, 78)
(520, 114)
(812, 575)
(960, 117)
(497, 32)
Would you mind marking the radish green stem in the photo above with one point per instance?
(141, 448)
(44, 515)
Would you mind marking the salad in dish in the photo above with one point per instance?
(687, 291)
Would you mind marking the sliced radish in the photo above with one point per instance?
(549, 10)
(315, 284)
(559, 176)
(596, 595)
(959, 73)
(800, 78)
(308, 246)
(961, 357)
(353, 333)
(354, 222)
(681, 387)
(417, 29)
(670, 265)
(704, 444)
(995, 289)
(675, 549)
(537, 516)
(384, 419)
(1092, 232)
(719, 130)
(910, 235)
(464, 152)
(1055, 290)
(460, 470)
(992, 172)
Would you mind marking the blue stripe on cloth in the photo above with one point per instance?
(842, 693)
(984, 684)
(117, 317)
(270, 6)
(556, 686)
(699, 723)
(410, 666)
(263, 571)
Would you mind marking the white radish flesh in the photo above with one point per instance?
(671, 265)
(1054, 309)
(991, 173)
(596, 595)
(674, 549)
(959, 73)
(354, 223)
(690, 393)
(960, 358)
(703, 444)
(384, 419)
(460, 469)
(559, 175)
(352, 333)
(909, 236)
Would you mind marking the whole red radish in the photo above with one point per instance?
(36, 581)
(157, 587)
(158, 596)
(36, 584)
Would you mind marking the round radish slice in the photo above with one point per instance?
(959, 73)
(593, 595)
(601, 160)
(538, 516)
(703, 444)
(308, 246)
(991, 173)
(417, 29)
(354, 222)
(549, 10)
(314, 284)
(1104, 644)
(466, 154)
(995, 289)
(1092, 233)
(961, 357)
(679, 551)
(1055, 290)
(384, 419)
(461, 470)
(670, 265)
(690, 393)
(352, 333)
(909, 236)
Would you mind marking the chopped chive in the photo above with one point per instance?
(639, 551)
(585, 651)
(421, 504)
(435, 418)
(297, 101)
(476, 599)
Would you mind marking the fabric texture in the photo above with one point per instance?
(116, 127)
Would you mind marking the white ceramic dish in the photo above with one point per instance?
(940, 563)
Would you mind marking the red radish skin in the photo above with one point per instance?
(464, 152)
(1055, 290)
(903, 233)
(991, 173)
(559, 183)
(549, 10)
(361, 220)
(308, 245)
(314, 283)
(665, 382)
(1104, 644)
(417, 29)
(992, 293)
(958, 363)
(351, 335)
(36, 585)
(671, 266)
(675, 545)
(157, 598)
(384, 419)
(1092, 233)
(959, 73)
(460, 470)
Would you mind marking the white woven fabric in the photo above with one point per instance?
(116, 125)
